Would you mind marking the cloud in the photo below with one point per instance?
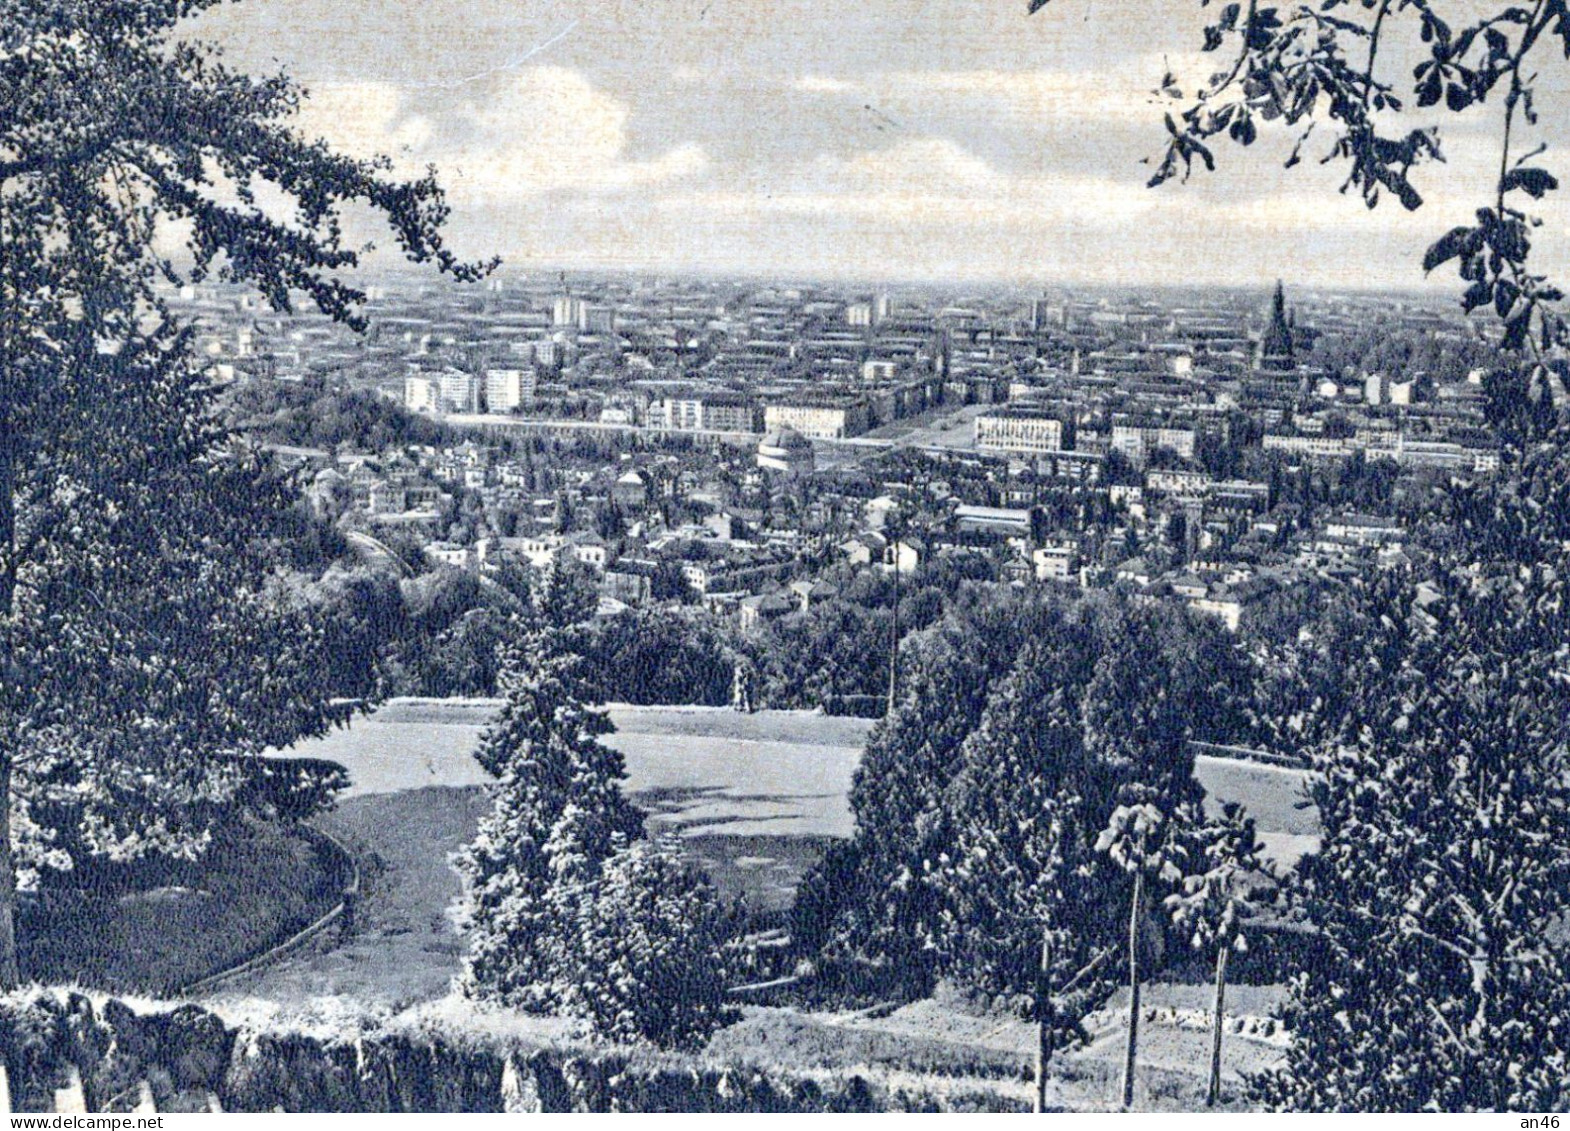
(537, 131)
(545, 165)
(927, 183)
(364, 119)
(723, 132)
(1121, 93)
(930, 163)
(822, 84)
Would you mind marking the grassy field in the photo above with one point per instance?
(1275, 796)
(755, 798)
(947, 1043)
(748, 791)
(945, 427)
(234, 906)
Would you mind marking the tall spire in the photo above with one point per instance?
(1275, 346)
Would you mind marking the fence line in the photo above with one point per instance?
(1248, 754)
(341, 914)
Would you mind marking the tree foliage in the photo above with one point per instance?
(311, 415)
(1025, 786)
(567, 908)
(1339, 75)
(892, 914)
(137, 651)
(662, 656)
(1443, 784)
(557, 817)
(143, 641)
(1224, 856)
(1143, 840)
(653, 946)
(1210, 907)
(978, 803)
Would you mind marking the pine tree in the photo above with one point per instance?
(558, 815)
(979, 798)
(650, 951)
(564, 601)
(567, 908)
(1031, 895)
(903, 825)
(1028, 805)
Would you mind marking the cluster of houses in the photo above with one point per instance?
(741, 442)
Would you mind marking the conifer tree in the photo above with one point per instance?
(903, 824)
(1136, 724)
(1017, 717)
(558, 815)
(652, 946)
(568, 909)
(1028, 804)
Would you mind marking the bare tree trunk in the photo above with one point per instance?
(1213, 1096)
(10, 968)
(1133, 991)
(1046, 1019)
(10, 971)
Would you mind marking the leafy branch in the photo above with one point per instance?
(1294, 68)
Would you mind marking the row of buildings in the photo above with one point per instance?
(1079, 438)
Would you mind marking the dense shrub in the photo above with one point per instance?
(652, 937)
(661, 657)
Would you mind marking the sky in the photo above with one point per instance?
(912, 140)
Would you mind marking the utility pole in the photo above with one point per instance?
(1046, 1018)
(894, 637)
(896, 527)
(1133, 991)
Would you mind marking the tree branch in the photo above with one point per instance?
(1373, 52)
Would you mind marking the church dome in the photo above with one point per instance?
(786, 439)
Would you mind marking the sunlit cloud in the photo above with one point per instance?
(539, 131)
(925, 183)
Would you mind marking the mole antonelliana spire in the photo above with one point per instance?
(1275, 346)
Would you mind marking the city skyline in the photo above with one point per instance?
(953, 142)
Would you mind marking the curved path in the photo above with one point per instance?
(403, 948)
(339, 917)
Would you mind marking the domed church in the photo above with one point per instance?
(786, 450)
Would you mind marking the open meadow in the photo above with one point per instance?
(754, 799)
(751, 794)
